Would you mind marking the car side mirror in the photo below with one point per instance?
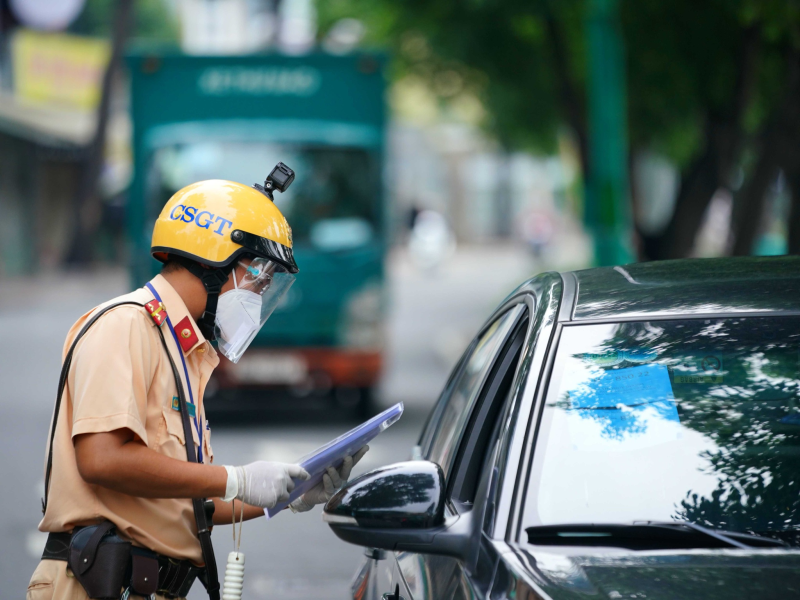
(398, 507)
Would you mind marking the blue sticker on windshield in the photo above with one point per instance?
(626, 402)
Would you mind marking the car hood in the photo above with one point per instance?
(662, 575)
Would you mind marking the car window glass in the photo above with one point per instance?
(466, 388)
(480, 431)
(695, 420)
(434, 416)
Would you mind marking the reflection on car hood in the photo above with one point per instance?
(710, 575)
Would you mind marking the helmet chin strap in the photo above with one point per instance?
(213, 280)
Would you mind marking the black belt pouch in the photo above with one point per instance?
(144, 571)
(99, 559)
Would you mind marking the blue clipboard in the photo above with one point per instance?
(332, 454)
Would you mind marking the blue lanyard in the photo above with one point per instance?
(185, 372)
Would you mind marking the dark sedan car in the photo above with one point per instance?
(626, 432)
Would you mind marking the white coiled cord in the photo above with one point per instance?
(234, 577)
(234, 571)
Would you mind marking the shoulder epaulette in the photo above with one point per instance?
(156, 311)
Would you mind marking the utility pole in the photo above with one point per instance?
(88, 207)
(607, 213)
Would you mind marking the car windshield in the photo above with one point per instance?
(332, 203)
(691, 420)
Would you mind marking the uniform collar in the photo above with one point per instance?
(185, 326)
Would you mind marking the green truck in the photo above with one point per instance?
(235, 117)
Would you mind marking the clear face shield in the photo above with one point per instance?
(259, 287)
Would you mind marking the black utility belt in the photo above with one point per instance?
(175, 577)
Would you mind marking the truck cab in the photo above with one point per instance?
(225, 117)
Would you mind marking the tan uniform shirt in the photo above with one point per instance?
(121, 378)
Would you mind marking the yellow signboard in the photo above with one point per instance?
(58, 69)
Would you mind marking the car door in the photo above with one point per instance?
(486, 573)
(476, 475)
(458, 437)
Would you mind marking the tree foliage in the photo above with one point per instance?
(710, 84)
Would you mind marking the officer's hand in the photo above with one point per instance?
(331, 482)
(265, 484)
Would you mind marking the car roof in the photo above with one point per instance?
(685, 287)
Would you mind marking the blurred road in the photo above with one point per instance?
(433, 315)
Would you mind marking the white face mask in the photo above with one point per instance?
(238, 320)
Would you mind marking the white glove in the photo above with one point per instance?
(332, 481)
(262, 483)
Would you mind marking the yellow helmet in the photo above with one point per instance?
(208, 225)
(214, 222)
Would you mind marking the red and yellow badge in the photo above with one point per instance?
(157, 312)
(186, 334)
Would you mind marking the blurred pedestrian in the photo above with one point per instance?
(431, 241)
(537, 231)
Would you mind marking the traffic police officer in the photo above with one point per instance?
(117, 453)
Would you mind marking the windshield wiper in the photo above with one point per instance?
(646, 535)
